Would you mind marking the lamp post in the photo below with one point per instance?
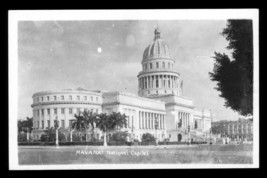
(156, 128)
(56, 124)
(71, 130)
(132, 137)
(189, 141)
(210, 135)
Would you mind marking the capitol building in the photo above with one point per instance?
(160, 96)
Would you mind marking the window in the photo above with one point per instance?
(48, 111)
(48, 124)
(37, 99)
(42, 112)
(38, 113)
(62, 110)
(62, 97)
(169, 65)
(145, 66)
(157, 83)
(96, 98)
(42, 124)
(47, 98)
(63, 124)
(85, 98)
(150, 65)
(70, 110)
(163, 64)
(92, 98)
(78, 97)
(55, 98)
(157, 65)
(70, 97)
(42, 98)
(37, 124)
(170, 135)
(55, 111)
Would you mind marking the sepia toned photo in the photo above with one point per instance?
(133, 89)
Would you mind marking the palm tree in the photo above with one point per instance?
(79, 124)
(118, 120)
(103, 124)
(110, 122)
(91, 119)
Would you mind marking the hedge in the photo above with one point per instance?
(111, 143)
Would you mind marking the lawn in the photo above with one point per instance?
(222, 154)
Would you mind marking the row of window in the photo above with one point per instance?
(37, 125)
(63, 111)
(63, 97)
(164, 65)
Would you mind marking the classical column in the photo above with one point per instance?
(153, 120)
(140, 123)
(143, 120)
(148, 81)
(153, 85)
(148, 118)
(163, 121)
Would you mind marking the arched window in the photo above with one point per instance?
(163, 64)
(150, 65)
(157, 83)
(157, 65)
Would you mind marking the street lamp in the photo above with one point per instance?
(210, 135)
(132, 133)
(188, 135)
(156, 128)
(71, 130)
(56, 124)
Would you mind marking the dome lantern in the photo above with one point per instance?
(157, 34)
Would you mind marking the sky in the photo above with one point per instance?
(107, 55)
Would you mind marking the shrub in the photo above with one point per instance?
(147, 137)
(50, 136)
(22, 137)
(119, 137)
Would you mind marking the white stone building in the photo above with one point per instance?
(160, 95)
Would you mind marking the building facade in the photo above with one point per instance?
(240, 130)
(160, 96)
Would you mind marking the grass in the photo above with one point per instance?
(180, 154)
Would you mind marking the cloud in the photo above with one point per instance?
(63, 54)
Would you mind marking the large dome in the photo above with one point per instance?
(158, 49)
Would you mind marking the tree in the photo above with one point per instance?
(25, 125)
(80, 124)
(147, 137)
(50, 135)
(102, 124)
(119, 136)
(235, 77)
(91, 119)
(109, 122)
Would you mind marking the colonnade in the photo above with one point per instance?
(147, 120)
(158, 81)
(184, 117)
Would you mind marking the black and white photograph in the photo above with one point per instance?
(133, 89)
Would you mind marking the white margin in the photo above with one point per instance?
(204, 14)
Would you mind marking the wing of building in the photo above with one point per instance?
(160, 97)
